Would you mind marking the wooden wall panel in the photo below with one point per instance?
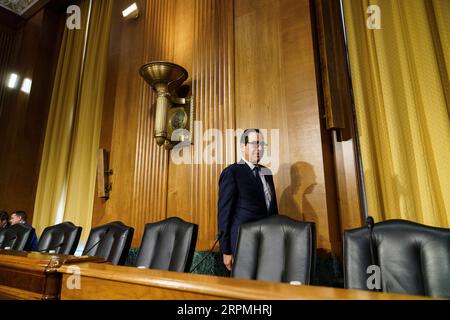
(350, 206)
(193, 188)
(276, 90)
(180, 187)
(139, 180)
(7, 44)
(23, 117)
(125, 86)
(337, 102)
(147, 185)
(151, 161)
(251, 64)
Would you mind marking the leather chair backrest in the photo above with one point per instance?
(62, 238)
(276, 248)
(17, 237)
(111, 241)
(413, 258)
(168, 245)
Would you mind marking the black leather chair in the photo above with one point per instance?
(62, 238)
(168, 245)
(111, 241)
(413, 258)
(17, 237)
(276, 248)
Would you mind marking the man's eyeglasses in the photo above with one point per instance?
(258, 143)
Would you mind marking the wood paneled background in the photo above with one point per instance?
(251, 64)
(147, 185)
(33, 48)
(276, 88)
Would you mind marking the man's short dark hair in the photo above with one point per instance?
(4, 215)
(244, 137)
(21, 214)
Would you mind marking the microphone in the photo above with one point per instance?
(373, 258)
(52, 248)
(8, 240)
(97, 243)
(369, 222)
(219, 235)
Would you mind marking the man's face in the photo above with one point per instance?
(253, 151)
(3, 223)
(15, 219)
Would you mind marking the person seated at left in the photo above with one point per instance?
(21, 217)
(4, 219)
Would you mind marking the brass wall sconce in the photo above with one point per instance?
(174, 111)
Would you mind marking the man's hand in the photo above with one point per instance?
(228, 261)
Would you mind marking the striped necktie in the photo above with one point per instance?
(264, 187)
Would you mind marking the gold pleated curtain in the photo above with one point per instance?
(400, 77)
(66, 184)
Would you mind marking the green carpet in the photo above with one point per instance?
(211, 265)
(328, 271)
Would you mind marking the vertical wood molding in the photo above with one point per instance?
(336, 99)
(7, 43)
(139, 182)
(149, 193)
(193, 188)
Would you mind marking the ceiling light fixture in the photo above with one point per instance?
(12, 81)
(132, 12)
(26, 85)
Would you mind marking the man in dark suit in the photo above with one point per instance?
(246, 193)
(21, 217)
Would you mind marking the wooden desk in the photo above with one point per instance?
(108, 282)
(33, 275)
